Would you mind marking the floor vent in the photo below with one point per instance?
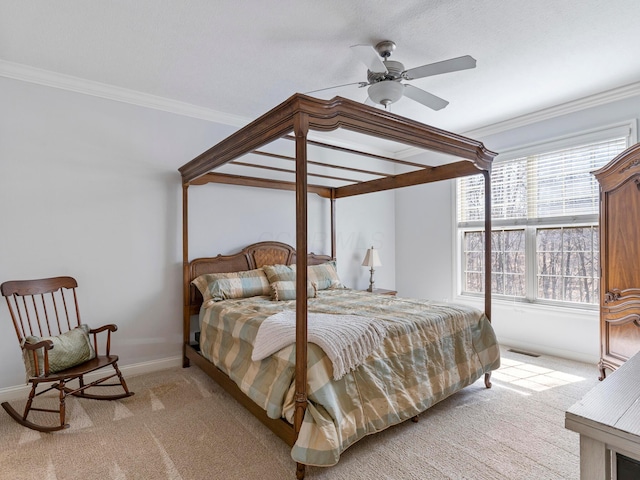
(522, 352)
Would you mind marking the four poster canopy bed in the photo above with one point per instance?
(318, 363)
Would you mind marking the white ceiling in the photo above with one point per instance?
(245, 57)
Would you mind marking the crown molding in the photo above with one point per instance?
(609, 96)
(48, 78)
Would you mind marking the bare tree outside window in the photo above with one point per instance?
(507, 262)
(568, 266)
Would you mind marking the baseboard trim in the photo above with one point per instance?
(544, 350)
(18, 392)
(152, 366)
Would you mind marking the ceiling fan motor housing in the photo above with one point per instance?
(386, 92)
(394, 72)
(386, 88)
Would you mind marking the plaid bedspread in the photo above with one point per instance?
(431, 351)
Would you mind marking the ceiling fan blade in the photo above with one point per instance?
(446, 66)
(425, 98)
(361, 84)
(368, 55)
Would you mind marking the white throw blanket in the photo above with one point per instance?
(346, 339)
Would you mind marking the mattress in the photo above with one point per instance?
(431, 351)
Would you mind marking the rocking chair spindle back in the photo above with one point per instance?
(43, 311)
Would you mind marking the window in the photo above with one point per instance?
(544, 210)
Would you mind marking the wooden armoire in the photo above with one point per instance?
(619, 259)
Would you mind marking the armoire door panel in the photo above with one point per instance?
(622, 236)
(624, 340)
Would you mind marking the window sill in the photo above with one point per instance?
(531, 306)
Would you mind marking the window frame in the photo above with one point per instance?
(626, 129)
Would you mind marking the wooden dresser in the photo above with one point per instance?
(608, 421)
(619, 259)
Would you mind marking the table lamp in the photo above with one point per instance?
(371, 260)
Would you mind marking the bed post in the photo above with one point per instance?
(487, 244)
(333, 223)
(301, 128)
(186, 314)
(487, 255)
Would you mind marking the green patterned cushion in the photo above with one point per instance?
(222, 286)
(286, 290)
(283, 282)
(69, 349)
(324, 275)
(279, 273)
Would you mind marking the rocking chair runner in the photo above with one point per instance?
(45, 308)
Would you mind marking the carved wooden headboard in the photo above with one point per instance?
(251, 257)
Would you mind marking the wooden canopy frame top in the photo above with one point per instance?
(293, 120)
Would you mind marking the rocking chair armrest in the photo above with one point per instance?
(111, 327)
(47, 344)
(108, 328)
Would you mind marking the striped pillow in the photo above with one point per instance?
(283, 282)
(324, 275)
(286, 290)
(278, 273)
(223, 286)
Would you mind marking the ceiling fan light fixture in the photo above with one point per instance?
(386, 92)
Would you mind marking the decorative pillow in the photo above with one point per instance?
(324, 275)
(278, 273)
(69, 349)
(222, 286)
(286, 290)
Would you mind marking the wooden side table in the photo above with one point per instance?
(382, 291)
(608, 421)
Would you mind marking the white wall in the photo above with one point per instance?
(89, 188)
(365, 221)
(426, 235)
(223, 214)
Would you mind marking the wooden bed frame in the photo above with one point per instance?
(251, 257)
(293, 120)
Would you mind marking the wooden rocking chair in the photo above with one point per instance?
(56, 346)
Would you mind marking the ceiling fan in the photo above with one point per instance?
(384, 76)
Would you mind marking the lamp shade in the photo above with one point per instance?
(386, 92)
(371, 259)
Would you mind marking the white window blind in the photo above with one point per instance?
(562, 181)
(540, 186)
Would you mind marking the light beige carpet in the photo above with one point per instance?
(181, 425)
